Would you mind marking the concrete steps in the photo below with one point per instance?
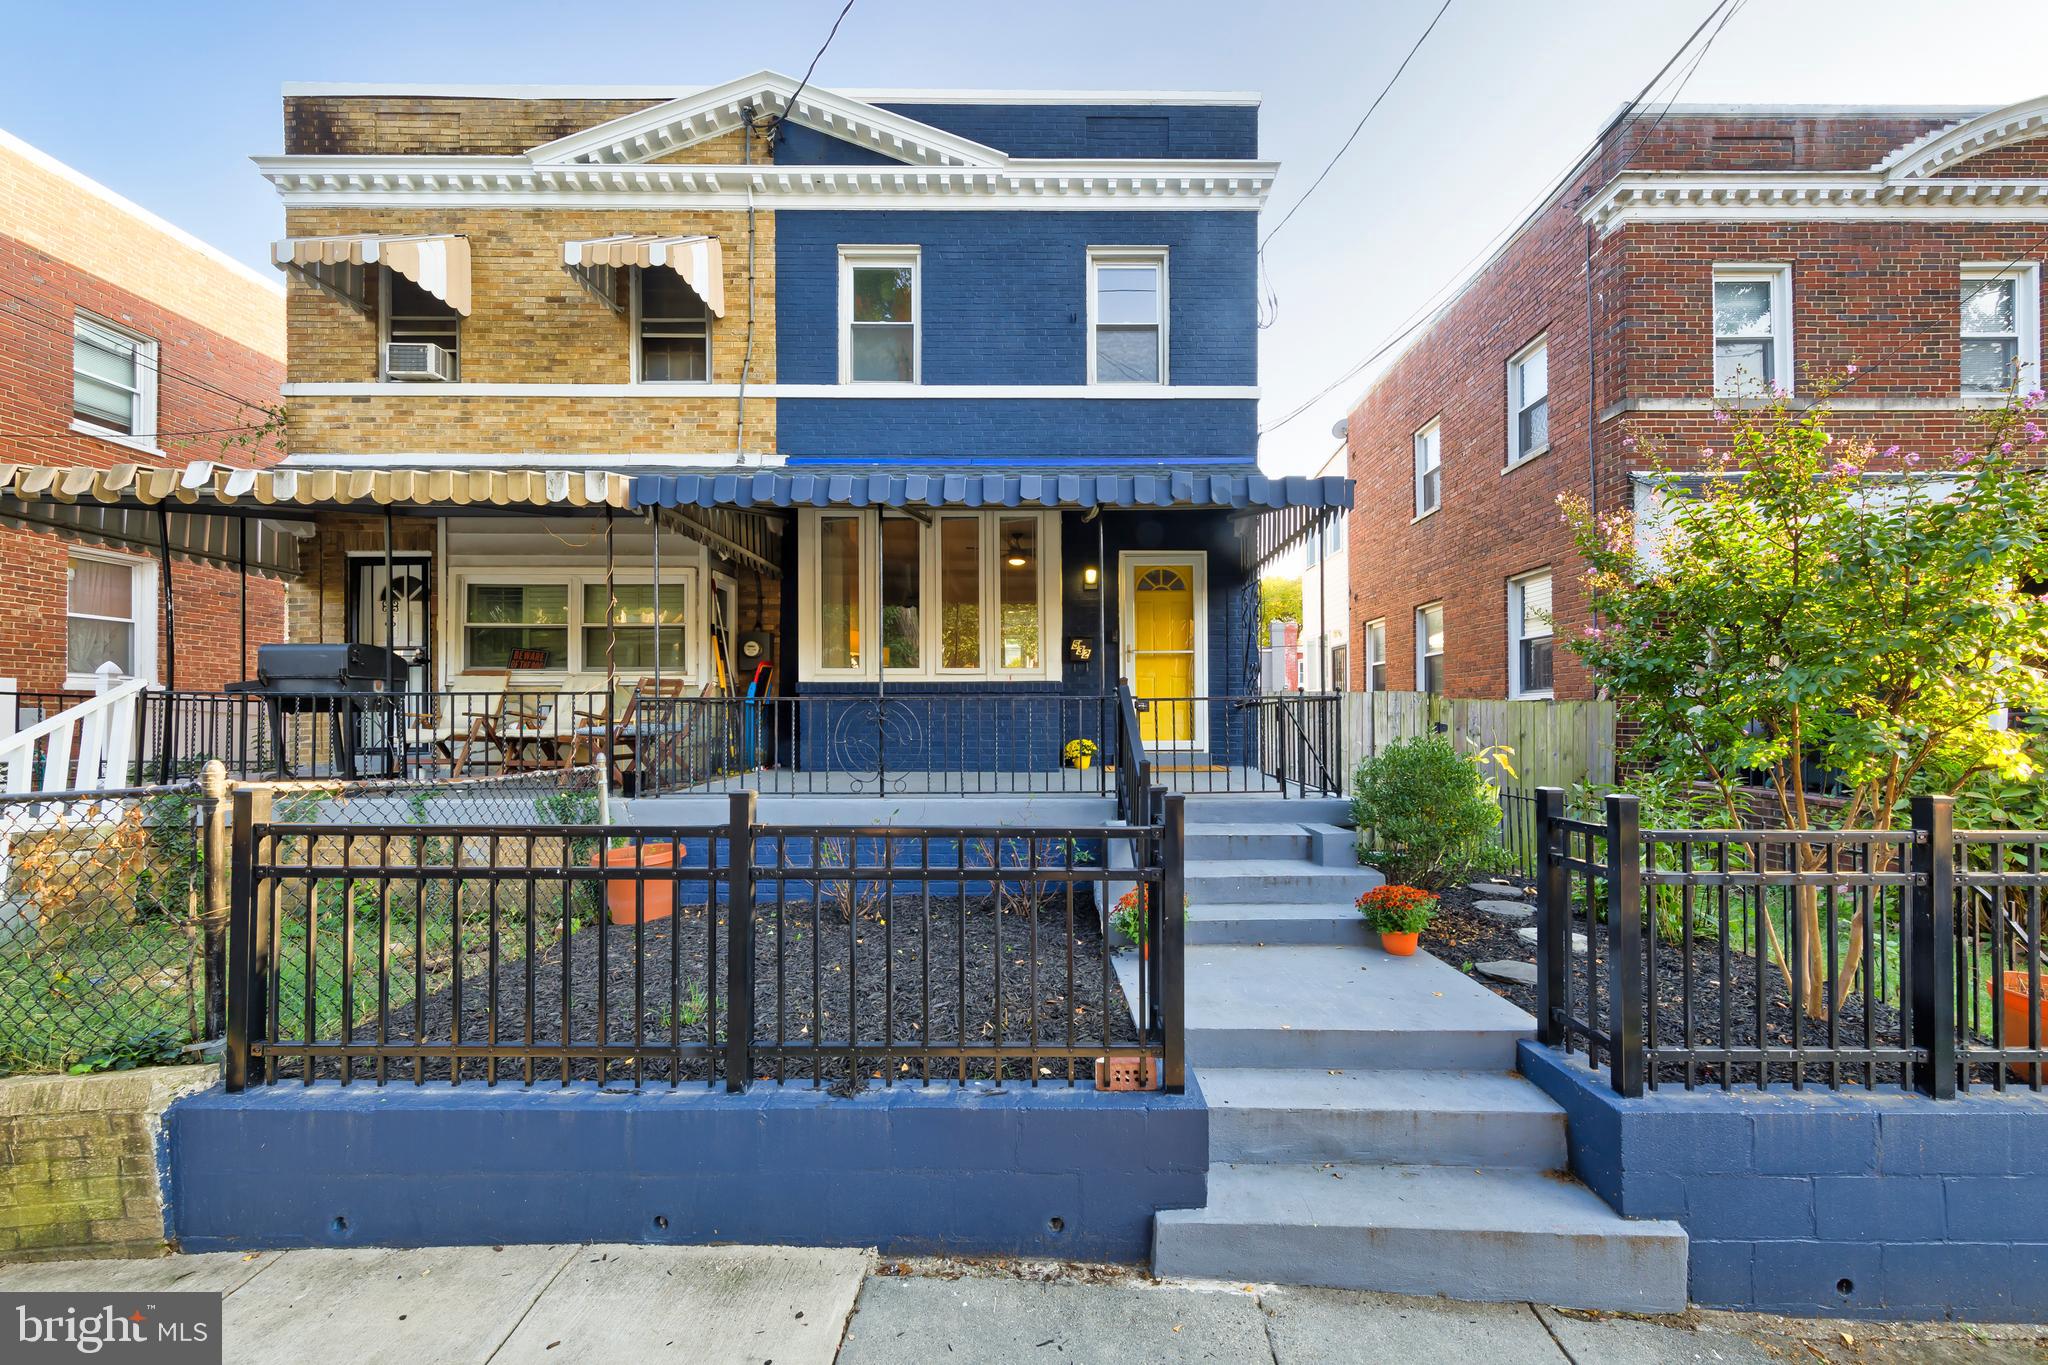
(1285, 881)
(1207, 841)
(1259, 922)
(1436, 1118)
(1488, 1234)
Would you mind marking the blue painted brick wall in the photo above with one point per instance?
(1850, 1203)
(1182, 431)
(1202, 132)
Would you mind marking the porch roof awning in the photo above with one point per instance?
(436, 262)
(1244, 491)
(697, 259)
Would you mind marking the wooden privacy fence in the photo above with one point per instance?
(1555, 743)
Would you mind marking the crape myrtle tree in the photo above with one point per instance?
(1806, 602)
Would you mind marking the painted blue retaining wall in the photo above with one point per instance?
(1050, 1171)
(1835, 1203)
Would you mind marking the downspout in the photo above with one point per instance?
(747, 356)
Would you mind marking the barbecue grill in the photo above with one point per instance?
(353, 685)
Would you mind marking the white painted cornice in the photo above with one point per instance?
(1944, 147)
(1651, 196)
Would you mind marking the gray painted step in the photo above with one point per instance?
(1270, 922)
(1272, 879)
(1208, 842)
(1435, 1118)
(1339, 1006)
(1489, 1235)
(1222, 808)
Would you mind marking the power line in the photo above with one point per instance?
(834, 33)
(64, 326)
(1462, 276)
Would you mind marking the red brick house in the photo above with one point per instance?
(1686, 257)
(124, 341)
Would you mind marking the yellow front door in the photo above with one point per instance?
(1162, 641)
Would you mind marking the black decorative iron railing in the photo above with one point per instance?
(1907, 958)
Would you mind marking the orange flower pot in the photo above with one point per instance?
(2013, 1001)
(1399, 945)
(623, 896)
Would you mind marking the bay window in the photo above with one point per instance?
(958, 594)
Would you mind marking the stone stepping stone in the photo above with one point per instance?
(1505, 909)
(1522, 973)
(1527, 933)
(1495, 889)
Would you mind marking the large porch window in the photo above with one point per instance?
(558, 626)
(958, 595)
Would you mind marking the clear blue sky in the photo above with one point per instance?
(165, 102)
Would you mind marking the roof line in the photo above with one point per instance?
(1836, 110)
(42, 160)
(367, 89)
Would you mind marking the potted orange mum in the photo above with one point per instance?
(1400, 914)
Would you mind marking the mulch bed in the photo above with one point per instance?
(897, 972)
(1464, 937)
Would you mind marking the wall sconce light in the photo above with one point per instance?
(1090, 576)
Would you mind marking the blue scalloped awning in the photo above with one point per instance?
(770, 488)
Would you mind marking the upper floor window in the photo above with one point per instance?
(1376, 656)
(1429, 648)
(411, 314)
(674, 328)
(1752, 330)
(878, 311)
(1429, 468)
(113, 381)
(1529, 635)
(1126, 316)
(1529, 401)
(2000, 331)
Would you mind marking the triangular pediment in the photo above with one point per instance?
(651, 134)
(1942, 149)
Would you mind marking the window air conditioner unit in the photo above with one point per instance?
(418, 360)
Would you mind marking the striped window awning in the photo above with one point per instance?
(437, 263)
(697, 259)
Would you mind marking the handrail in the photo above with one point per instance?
(1134, 769)
(100, 731)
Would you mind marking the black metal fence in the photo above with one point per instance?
(108, 958)
(1907, 958)
(651, 955)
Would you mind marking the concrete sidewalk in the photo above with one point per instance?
(798, 1306)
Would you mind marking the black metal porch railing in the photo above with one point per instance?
(672, 955)
(1907, 958)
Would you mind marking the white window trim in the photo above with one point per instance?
(1422, 641)
(147, 355)
(1434, 426)
(1778, 275)
(1516, 456)
(639, 380)
(1099, 256)
(2026, 316)
(1378, 623)
(1050, 621)
(142, 599)
(1517, 692)
(384, 328)
(851, 256)
(684, 583)
(1127, 562)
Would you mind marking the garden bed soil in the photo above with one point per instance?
(1465, 937)
(902, 973)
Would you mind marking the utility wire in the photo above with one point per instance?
(800, 85)
(1461, 277)
(63, 326)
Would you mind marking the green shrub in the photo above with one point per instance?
(1422, 810)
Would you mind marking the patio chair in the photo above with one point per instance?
(462, 727)
(622, 744)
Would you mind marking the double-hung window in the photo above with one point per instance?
(1529, 635)
(1376, 656)
(1529, 402)
(2000, 329)
(559, 625)
(516, 625)
(1429, 468)
(412, 314)
(1126, 315)
(961, 595)
(878, 311)
(1752, 330)
(113, 382)
(103, 618)
(674, 328)
(1429, 648)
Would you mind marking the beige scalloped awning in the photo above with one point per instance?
(438, 264)
(204, 501)
(697, 259)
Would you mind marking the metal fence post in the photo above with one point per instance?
(213, 918)
(1932, 951)
(248, 936)
(1553, 922)
(1625, 944)
(739, 960)
(1172, 940)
